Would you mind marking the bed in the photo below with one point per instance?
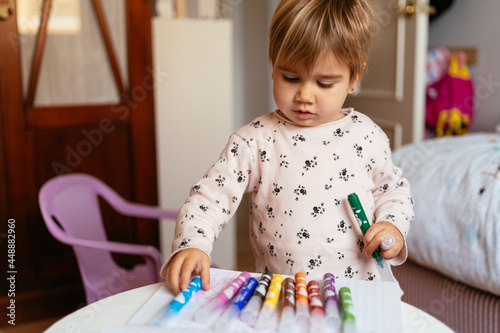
(453, 271)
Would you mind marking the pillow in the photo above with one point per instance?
(455, 183)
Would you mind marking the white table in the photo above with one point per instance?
(120, 308)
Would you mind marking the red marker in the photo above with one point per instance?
(315, 306)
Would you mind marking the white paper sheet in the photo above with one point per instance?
(377, 307)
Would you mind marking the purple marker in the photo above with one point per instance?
(204, 314)
(332, 315)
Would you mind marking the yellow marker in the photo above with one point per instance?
(273, 293)
(271, 301)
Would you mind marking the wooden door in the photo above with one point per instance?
(393, 91)
(53, 123)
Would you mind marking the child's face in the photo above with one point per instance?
(315, 97)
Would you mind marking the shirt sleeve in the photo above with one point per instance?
(213, 200)
(392, 196)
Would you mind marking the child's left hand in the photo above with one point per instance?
(375, 234)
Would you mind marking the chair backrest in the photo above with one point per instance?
(70, 207)
(72, 200)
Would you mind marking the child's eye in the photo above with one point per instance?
(325, 85)
(290, 78)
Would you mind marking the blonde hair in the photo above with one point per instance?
(302, 29)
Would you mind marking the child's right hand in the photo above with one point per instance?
(184, 265)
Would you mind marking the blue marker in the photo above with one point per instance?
(178, 303)
(239, 301)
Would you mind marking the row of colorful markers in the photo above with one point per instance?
(304, 306)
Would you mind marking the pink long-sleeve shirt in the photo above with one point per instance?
(298, 179)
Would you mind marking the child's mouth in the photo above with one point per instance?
(304, 115)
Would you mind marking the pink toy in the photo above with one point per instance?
(450, 93)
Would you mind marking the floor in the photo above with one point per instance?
(246, 262)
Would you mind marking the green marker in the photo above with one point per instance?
(347, 310)
(362, 220)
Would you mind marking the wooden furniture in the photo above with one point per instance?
(114, 141)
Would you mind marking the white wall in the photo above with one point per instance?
(475, 23)
(182, 131)
(194, 108)
(252, 72)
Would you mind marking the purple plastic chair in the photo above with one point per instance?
(70, 209)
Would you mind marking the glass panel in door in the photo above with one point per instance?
(75, 67)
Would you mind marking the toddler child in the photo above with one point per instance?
(300, 162)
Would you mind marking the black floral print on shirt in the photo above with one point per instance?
(297, 180)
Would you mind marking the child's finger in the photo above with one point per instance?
(372, 232)
(391, 252)
(371, 245)
(173, 274)
(187, 270)
(205, 276)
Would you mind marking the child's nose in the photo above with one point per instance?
(305, 94)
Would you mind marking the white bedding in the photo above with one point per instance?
(455, 182)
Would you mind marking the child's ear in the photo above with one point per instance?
(355, 79)
(352, 84)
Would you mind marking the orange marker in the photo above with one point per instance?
(301, 300)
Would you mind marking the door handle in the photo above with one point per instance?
(6, 9)
(411, 9)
